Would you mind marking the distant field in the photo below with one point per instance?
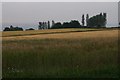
(91, 54)
(50, 31)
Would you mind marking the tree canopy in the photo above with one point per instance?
(13, 28)
(71, 24)
(98, 20)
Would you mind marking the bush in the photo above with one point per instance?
(71, 24)
(13, 28)
(29, 29)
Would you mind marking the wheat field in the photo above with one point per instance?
(86, 54)
(59, 34)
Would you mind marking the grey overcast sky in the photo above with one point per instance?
(27, 14)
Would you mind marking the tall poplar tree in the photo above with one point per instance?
(87, 18)
(83, 23)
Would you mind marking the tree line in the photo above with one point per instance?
(71, 24)
(11, 28)
(97, 21)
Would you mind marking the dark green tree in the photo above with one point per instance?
(48, 24)
(6, 29)
(98, 20)
(83, 22)
(87, 19)
(74, 24)
(40, 26)
(66, 25)
(105, 19)
(13, 28)
(53, 22)
(57, 25)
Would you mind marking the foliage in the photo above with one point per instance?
(98, 20)
(29, 29)
(48, 24)
(94, 21)
(83, 23)
(57, 25)
(87, 18)
(74, 24)
(43, 25)
(71, 24)
(66, 25)
(13, 29)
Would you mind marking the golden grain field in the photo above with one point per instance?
(71, 35)
(60, 54)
